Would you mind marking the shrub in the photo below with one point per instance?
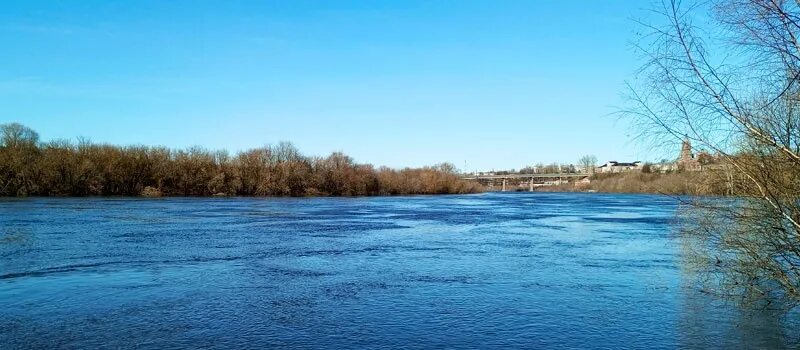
(151, 192)
(61, 168)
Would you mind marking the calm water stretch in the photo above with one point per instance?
(476, 271)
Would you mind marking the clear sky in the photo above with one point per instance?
(498, 84)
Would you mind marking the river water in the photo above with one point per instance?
(495, 270)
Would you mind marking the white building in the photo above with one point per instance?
(617, 167)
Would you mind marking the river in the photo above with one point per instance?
(494, 270)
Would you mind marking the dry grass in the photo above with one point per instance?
(682, 183)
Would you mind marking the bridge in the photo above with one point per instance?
(533, 180)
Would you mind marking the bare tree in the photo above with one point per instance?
(18, 152)
(62, 168)
(14, 135)
(588, 163)
(730, 85)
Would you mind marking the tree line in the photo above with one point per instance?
(29, 167)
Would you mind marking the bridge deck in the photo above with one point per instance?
(524, 176)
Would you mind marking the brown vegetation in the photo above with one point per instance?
(675, 183)
(61, 168)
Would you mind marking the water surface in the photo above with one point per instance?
(477, 271)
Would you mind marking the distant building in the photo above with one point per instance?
(618, 167)
(687, 161)
(584, 170)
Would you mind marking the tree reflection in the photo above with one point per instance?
(724, 293)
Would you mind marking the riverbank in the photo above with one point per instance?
(678, 183)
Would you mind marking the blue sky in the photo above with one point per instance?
(498, 84)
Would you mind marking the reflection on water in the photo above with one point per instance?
(744, 326)
(476, 271)
(753, 322)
